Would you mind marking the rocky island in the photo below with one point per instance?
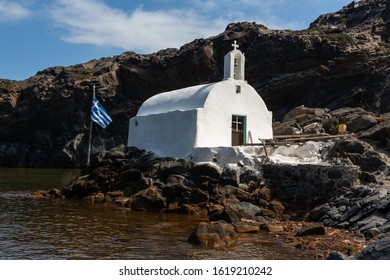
(335, 72)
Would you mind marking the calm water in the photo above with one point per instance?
(67, 229)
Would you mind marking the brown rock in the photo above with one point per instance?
(189, 209)
(148, 200)
(98, 197)
(236, 211)
(276, 207)
(122, 200)
(246, 226)
(273, 227)
(216, 235)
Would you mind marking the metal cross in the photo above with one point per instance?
(235, 46)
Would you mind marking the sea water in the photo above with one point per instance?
(73, 229)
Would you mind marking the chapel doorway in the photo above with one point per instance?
(238, 130)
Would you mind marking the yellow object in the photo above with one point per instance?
(342, 128)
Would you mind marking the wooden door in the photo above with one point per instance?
(238, 130)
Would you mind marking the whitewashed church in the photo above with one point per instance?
(225, 113)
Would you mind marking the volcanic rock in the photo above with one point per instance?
(379, 250)
(217, 235)
(340, 61)
(314, 229)
(149, 200)
(235, 212)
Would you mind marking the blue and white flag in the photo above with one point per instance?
(99, 115)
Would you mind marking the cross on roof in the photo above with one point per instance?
(235, 46)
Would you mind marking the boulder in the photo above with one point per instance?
(356, 119)
(302, 110)
(173, 179)
(122, 200)
(148, 200)
(350, 146)
(80, 187)
(128, 176)
(246, 226)
(98, 197)
(230, 175)
(335, 255)
(235, 212)
(52, 193)
(277, 207)
(219, 192)
(250, 177)
(135, 187)
(270, 227)
(315, 229)
(189, 209)
(215, 235)
(379, 132)
(359, 123)
(287, 128)
(176, 191)
(379, 250)
(359, 153)
(206, 170)
(198, 196)
(173, 166)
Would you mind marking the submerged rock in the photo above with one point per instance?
(216, 235)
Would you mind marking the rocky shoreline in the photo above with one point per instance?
(341, 206)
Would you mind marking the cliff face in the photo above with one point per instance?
(341, 60)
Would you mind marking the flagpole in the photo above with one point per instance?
(90, 131)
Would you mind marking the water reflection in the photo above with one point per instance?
(72, 229)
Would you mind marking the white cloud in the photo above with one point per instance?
(13, 11)
(93, 22)
(260, 11)
(143, 30)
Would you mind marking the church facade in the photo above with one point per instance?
(225, 113)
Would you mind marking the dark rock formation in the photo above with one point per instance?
(340, 61)
(314, 229)
(306, 185)
(379, 250)
(304, 120)
(364, 209)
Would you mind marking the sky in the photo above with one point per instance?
(37, 34)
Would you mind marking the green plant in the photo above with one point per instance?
(341, 38)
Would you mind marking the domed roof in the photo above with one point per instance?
(182, 99)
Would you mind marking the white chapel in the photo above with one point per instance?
(225, 113)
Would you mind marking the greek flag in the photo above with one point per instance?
(99, 115)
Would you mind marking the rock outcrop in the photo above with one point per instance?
(340, 61)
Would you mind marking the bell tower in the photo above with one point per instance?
(234, 64)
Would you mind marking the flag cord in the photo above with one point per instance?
(90, 134)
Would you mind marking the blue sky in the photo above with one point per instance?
(37, 34)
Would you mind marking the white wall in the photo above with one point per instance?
(214, 121)
(175, 133)
(170, 134)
